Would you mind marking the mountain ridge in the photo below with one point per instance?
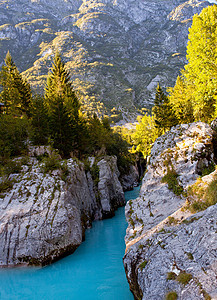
(116, 52)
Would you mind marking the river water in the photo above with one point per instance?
(93, 272)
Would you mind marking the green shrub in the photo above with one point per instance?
(64, 171)
(51, 163)
(86, 163)
(171, 179)
(41, 157)
(184, 277)
(95, 173)
(6, 185)
(171, 276)
(208, 170)
(13, 136)
(171, 296)
(143, 264)
(172, 220)
(12, 167)
(39, 122)
(205, 195)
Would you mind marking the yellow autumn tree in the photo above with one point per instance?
(145, 135)
(197, 89)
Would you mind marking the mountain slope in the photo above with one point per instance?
(116, 51)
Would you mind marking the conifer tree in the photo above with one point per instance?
(66, 125)
(163, 114)
(60, 127)
(59, 84)
(39, 121)
(16, 94)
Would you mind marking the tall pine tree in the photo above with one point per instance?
(60, 127)
(59, 84)
(164, 116)
(63, 108)
(16, 94)
(39, 121)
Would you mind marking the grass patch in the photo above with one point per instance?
(203, 195)
(11, 167)
(189, 255)
(94, 171)
(51, 163)
(171, 179)
(64, 171)
(208, 170)
(184, 277)
(171, 276)
(189, 221)
(143, 264)
(171, 296)
(6, 185)
(172, 220)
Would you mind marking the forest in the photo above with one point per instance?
(56, 117)
(194, 96)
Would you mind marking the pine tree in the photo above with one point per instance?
(16, 94)
(39, 121)
(61, 132)
(59, 95)
(163, 114)
(59, 84)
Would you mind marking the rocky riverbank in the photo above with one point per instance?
(44, 213)
(171, 237)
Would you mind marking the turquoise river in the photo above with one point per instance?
(93, 272)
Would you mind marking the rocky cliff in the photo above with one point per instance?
(171, 237)
(117, 51)
(44, 214)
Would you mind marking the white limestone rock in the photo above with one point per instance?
(154, 238)
(109, 186)
(131, 179)
(43, 217)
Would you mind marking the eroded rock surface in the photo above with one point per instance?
(131, 179)
(44, 215)
(163, 237)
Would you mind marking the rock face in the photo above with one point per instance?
(44, 215)
(164, 242)
(128, 181)
(116, 50)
